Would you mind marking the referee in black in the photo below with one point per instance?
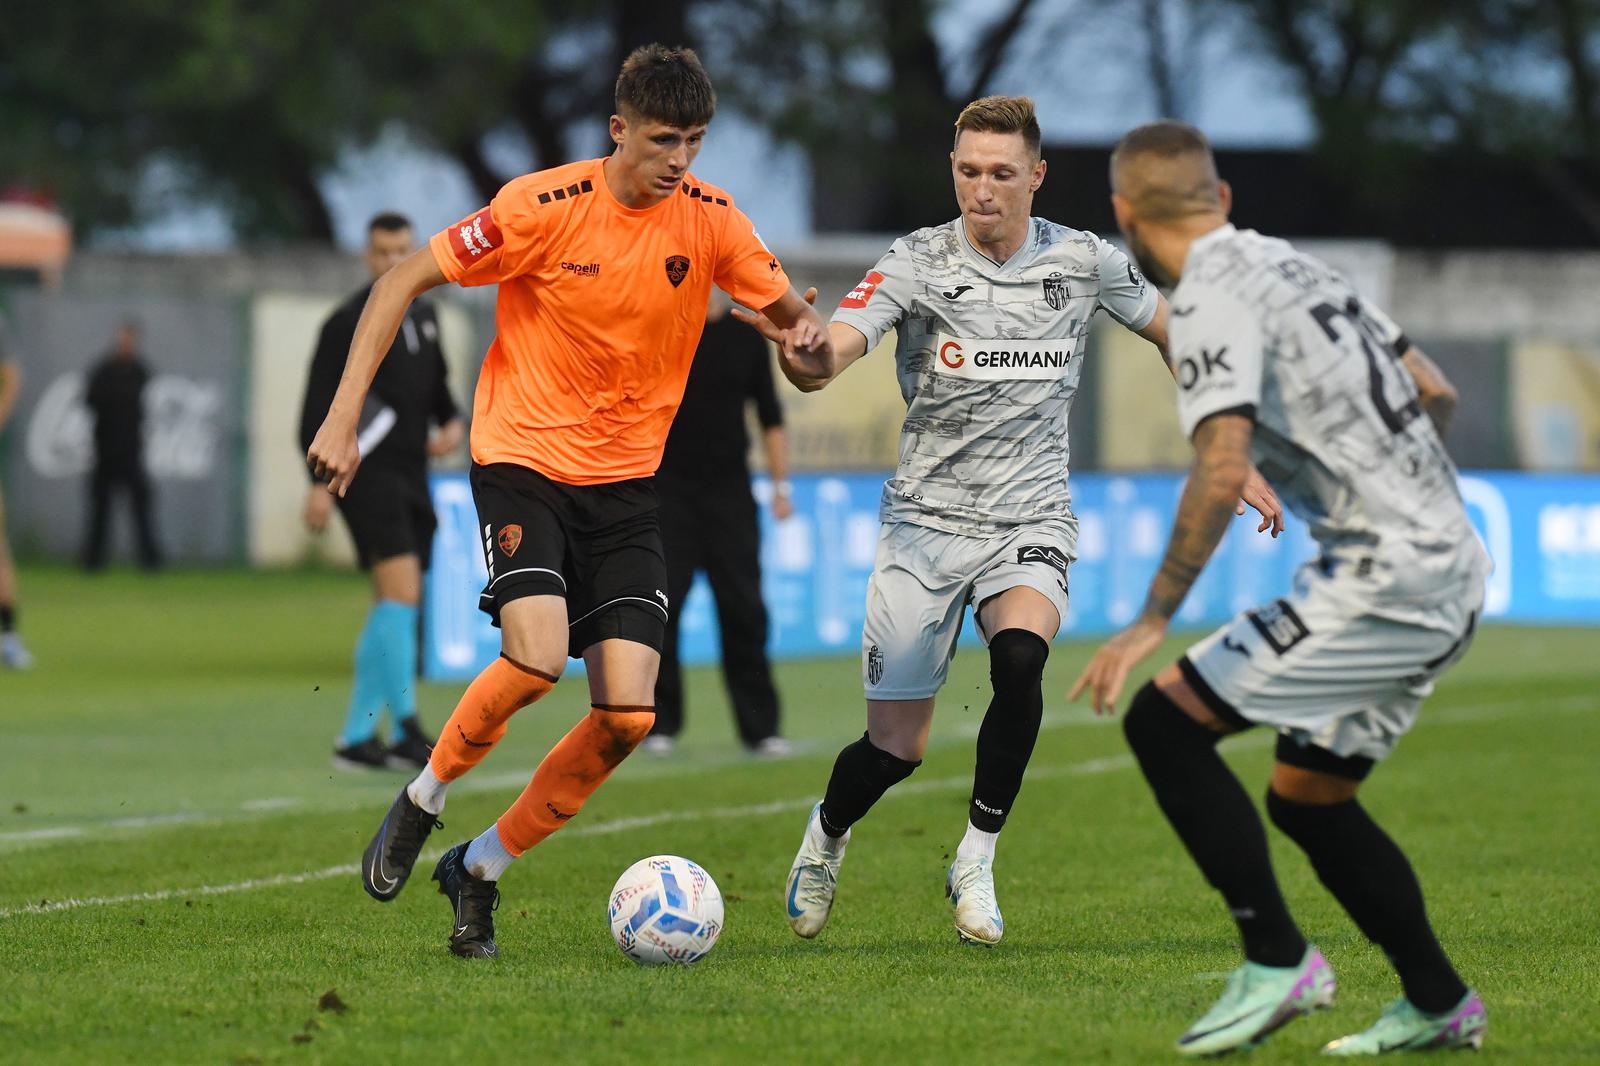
(409, 416)
(708, 522)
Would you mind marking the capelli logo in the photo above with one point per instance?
(583, 270)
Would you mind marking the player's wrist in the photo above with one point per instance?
(783, 488)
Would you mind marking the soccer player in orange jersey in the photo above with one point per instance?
(604, 267)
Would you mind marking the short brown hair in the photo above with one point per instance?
(666, 85)
(1002, 114)
(1178, 175)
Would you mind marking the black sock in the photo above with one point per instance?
(862, 773)
(1010, 725)
(1216, 821)
(1369, 875)
(8, 618)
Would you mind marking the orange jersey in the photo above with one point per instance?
(599, 312)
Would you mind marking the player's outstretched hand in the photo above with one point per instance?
(1258, 494)
(806, 356)
(764, 325)
(334, 454)
(1108, 671)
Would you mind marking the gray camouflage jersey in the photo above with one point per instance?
(1260, 328)
(988, 359)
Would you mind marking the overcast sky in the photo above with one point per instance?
(1090, 91)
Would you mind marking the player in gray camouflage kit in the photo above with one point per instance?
(992, 311)
(1280, 360)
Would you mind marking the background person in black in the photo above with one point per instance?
(13, 656)
(708, 522)
(388, 511)
(115, 399)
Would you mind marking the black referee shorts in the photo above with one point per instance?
(388, 514)
(599, 546)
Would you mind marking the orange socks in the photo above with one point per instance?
(575, 767)
(479, 720)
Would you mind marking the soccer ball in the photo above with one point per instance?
(665, 909)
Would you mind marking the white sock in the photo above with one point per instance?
(427, 791)
(820, 840)
(486, 857)
(977, 845)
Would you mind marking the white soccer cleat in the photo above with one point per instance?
(13, 654)
(970, 886)
(814, 877)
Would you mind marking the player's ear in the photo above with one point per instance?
(619, 129)
(1225, 197)
(1122, 207)
(1038, 176)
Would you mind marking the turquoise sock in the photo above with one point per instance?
(397, 659)
(366, 693)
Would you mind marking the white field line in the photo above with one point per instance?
(642, 770)
(615, 825)
(252, 809)
(621, 825)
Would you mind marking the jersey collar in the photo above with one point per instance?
(1201, 243)
(988, 265)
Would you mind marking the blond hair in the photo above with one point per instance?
(1002, 114)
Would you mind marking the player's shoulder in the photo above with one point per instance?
(553, 189)
(698, 193)
(931, 248)
(1054, 240)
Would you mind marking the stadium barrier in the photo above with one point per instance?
(1543, 532)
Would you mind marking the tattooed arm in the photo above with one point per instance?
(1221, 465)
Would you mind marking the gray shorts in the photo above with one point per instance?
(1327, 668)
(924, 579)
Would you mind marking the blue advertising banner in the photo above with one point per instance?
(1543, 532)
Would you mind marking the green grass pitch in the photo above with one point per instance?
(172, 746)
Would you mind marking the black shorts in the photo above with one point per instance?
(388, 513)
(597, 545)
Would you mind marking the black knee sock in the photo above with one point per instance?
(862, 773)
(1369, 875)
(1216, 821)
(8, 618)
(1010, 725)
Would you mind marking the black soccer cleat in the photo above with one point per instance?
(370, 754)
(411, 751)
(387, 862)
(475, 902)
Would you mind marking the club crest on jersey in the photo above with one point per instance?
(874, 665)
(677, 269)
(510, 539)
(1055, 293)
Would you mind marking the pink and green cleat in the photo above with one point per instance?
(1403, 1027)
(1258, 1001)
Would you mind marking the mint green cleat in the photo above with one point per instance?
(1403, 1027)
(1258, 1001)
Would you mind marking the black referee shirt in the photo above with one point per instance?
(708, 438)
(412, 381)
